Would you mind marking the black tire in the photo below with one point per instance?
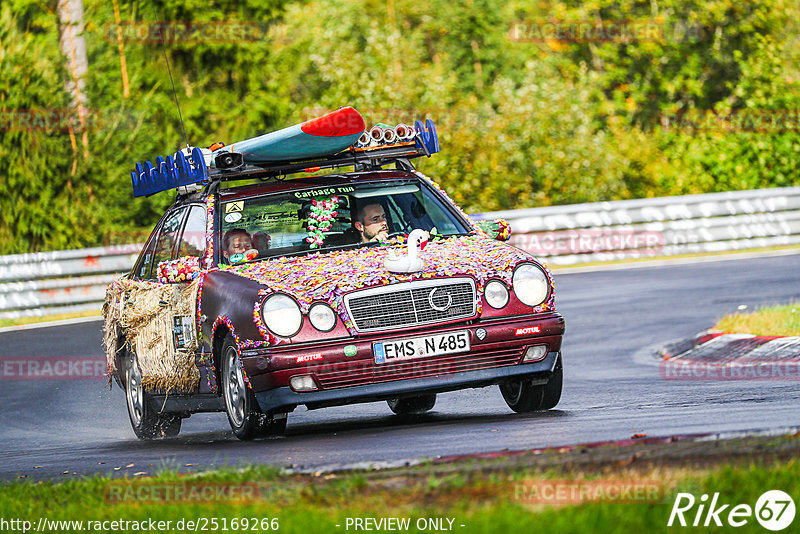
(146, 422)
(412, 405)
(244, 415)
(522, 396)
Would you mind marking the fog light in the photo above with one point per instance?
(303, 383)
(533, 354)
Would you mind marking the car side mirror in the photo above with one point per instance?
(183, 269)
(498, 229)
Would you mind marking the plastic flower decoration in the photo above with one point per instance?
(320, 219)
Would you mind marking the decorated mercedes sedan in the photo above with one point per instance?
(276, 280)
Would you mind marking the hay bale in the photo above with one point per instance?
(144, 312)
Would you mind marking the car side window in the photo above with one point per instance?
(193, 238)
(168, 237)
(142, 268)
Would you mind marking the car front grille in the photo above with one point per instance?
(359, 374)
(411, 304)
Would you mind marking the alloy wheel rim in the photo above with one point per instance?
(135, 393)
(235, 388)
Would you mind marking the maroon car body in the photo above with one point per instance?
(399, 337)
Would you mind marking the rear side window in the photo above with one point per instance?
(193, 238)
(168, 237)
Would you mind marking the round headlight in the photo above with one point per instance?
(282, 315)
(530, 284)
(322, 317)
(496, 294)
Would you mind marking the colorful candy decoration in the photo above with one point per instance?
(182, 269)
(329, 276)
(320, 219)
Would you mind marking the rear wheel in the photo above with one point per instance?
(245, 417)
(522, 396)
(146, 422)
(412, 405)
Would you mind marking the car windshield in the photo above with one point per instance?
(324, 218)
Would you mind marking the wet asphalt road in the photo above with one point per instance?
(612, 389)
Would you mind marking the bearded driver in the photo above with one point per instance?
(372, 223)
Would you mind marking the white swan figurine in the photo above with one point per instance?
(417, 240)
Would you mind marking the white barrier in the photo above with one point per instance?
(627, 229)
(75, 280)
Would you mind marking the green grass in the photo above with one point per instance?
(482, 500)
(47, 318)
(769, 321)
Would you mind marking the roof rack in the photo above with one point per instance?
(361, 158)
(191, 174)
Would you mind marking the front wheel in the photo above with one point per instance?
(245, 417)
(145, 421)
(522, 396)
(412, 405)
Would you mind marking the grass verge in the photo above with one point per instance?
(582, 490)
(47, 318)
(781, 320)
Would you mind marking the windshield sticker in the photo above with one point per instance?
(231, 207)
(323, 212)
(276, 217)
(233, 217)
(325, 192)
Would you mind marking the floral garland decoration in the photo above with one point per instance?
(323, 212)
(499, 229)
(209, 255)
(227, 322)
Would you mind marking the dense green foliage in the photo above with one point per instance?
(523, 122)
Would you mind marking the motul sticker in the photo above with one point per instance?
(528, 330)
(309, 358)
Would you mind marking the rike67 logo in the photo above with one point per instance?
(774, 510)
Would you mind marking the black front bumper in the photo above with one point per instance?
(284, 399)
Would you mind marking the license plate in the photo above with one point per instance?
(421, 347)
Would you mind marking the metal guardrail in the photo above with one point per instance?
(75, 280)
(664, 226)
(45, 283)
